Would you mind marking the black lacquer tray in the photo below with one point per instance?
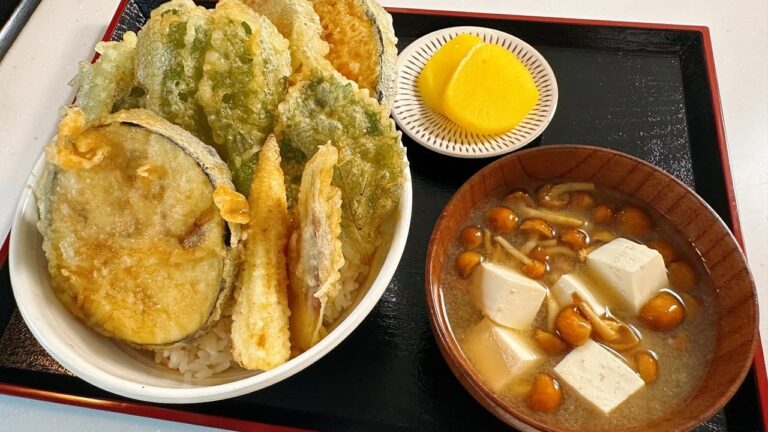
(644, 89)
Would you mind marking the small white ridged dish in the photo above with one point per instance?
(436, 131)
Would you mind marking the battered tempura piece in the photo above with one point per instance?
(260, 336)
(135, 245)
(298, 22)
(369, 173)
(245, 76)
(363, 44)
(109, 81)
(169, 63)
(315, 255)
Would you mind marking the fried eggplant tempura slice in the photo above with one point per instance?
(135, 246)
(370, 171)
(298, 22)
(110, 80)
(314, 251)
(169, 63)
(260, 335)
(245, 75)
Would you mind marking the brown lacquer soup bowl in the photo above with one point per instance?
(733, 300)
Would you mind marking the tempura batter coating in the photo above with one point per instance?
(370, 171)
(363, 44)
(135, 245)
(315, 255)
(108, 81)
(169, 63)
(245, 76)
(260, 334)
(298, 22)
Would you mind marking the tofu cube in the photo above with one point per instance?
(499, 354)
(570, 284)
(599, 376)
(506, 296)
(633, 271)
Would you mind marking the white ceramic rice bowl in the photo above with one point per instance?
(115, 367)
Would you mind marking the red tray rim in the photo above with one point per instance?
(145, 410)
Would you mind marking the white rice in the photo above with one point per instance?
(202, 358)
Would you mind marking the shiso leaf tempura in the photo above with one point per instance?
(330, 108)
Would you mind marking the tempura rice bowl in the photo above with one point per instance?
(121, 369)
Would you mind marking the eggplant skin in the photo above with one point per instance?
(136, 247)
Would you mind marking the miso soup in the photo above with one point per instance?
(580, 306)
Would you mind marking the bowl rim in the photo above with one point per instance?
(460, 365)
(206, 393)
(410, 51)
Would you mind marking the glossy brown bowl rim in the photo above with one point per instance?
(460, 365)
